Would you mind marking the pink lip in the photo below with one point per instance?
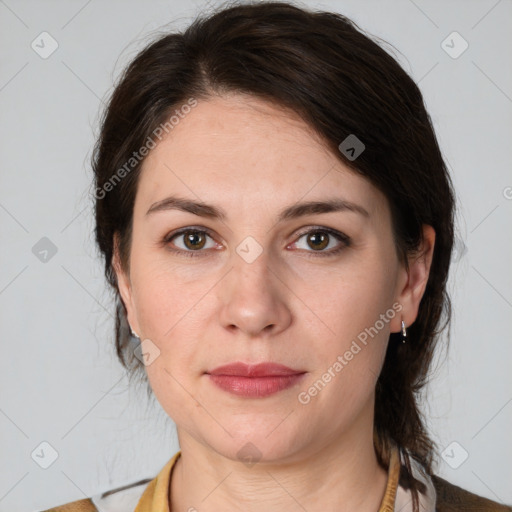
(258, 380)
(254, 370)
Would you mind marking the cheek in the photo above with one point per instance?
(164, 295)
(351, 297)
(166, 315)
(172, 390)
(165, 309)
(356, 304)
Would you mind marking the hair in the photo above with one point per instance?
(340, 81)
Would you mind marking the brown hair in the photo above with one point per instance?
(340, 81)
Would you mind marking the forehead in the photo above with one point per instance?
(241, 150)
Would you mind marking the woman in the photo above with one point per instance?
(276, 221)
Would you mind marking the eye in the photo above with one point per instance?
(193, 241)
(320, 238)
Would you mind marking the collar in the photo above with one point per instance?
(156, 495)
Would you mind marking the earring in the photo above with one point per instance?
(134, 334)
(404, 332)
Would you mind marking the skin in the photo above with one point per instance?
(290, 306)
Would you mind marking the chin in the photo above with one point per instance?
(251, 445)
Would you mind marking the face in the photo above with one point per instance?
(317, 292)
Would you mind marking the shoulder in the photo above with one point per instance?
(451, 498)
(120, 499)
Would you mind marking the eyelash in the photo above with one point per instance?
(341, 237)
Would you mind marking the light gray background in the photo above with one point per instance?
(60, 381)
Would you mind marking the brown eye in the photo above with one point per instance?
(194, 239)
(318, 240)
(190, 242)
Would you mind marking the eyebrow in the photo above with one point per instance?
(294, 211)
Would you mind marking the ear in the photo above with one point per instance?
(411, 283)
(124, 286)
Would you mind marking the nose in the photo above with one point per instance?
(254, 298)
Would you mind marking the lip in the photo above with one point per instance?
(254, 381)
(266, 369)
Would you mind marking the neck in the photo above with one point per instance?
(339, 474)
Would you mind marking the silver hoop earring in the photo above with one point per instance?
(404, 332)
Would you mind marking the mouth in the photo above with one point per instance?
(265, 369)
(256, 381)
